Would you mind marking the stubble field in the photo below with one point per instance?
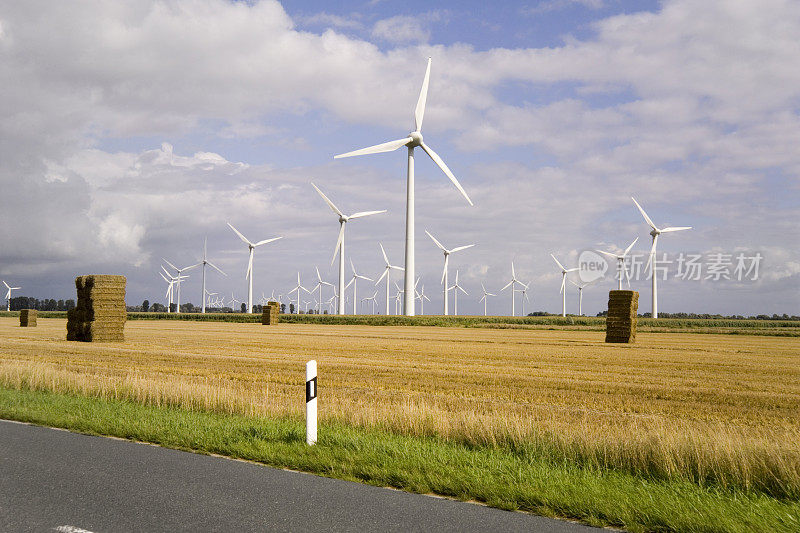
(714, 409)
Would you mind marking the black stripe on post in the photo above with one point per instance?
(311, 389)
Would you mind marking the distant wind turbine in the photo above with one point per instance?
(455, 288)
(564, 272)
(205, 262)
(354, 282)
(524, 291)
(580, 294)
(249, 275)
(413, 140)
(371, 299)
(8, 295)
(385, 274)
(180, 280)
(343, 219)
(621, 263)
(484, 298)
(446, 253)
(512, 284)
(297, 289)
(421, 297)
(319, 285)
(652, 260)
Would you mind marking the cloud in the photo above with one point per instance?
(401, 29)
(327, 20)
(558, 5)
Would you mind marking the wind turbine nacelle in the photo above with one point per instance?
(416, 139)
(654, 233)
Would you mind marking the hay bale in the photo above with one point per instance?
(27, 318)
(269, 314)
(100, 314)
(622, 316)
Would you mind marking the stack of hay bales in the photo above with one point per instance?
(100, 313)
(27, 318)
(269, 313)
(621, 320)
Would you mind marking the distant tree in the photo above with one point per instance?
(283, 308)
(173, 308)
(291, 309)
(146, 306)
(158, 308)
(69, 304)
(61, 305)
(244, 307)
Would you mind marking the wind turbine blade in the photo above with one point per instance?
(6, 284)
(419, 112)
(353, 267)
(438, 160)
(319, 278)
(249, 266)
(462, 289)
(239, 234)
(167, 262)
(339, 240)
(507, 285)
(461, 248)
(435, 241)
(444, 270)
(572, 269)
(349, 283)
(378, 148)
(160, 274)
(652, 251)
(680, 228)
(646, 218)
(215, 267)
(397, 268)
(563, 283)
(265, 241)
(384, 253)
(559, 264)
(328, 201)
(364, 277)
(609, 254)
(574, 283)
(628, 249)
(627, 276)
(385, 271)
(513, 274)
(490, 294)
(366, 213)
(190, 267)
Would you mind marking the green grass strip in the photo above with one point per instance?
(513, 480)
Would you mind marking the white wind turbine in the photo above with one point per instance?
(580, 294)
(297, 289)
(233, 302)
(651, 261)
(524, 291)
(484, 298)
(205, 262)
(371, 299)
(180, 280)
(398, 298)
(8, 295)
(621, 263)
(512, 284)
(413, 140)
(455, 288)
(249, 275)
(446, 262)
(172, 281)
(354, 282)
(385, 274)
(343, 219)
(563, 291)
(319, 285)
(421, 297)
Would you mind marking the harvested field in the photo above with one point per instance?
(714, 409)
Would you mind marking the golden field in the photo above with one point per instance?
(709, 408)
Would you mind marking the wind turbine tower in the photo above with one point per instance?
(249, 275)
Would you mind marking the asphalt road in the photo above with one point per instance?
(53, 480)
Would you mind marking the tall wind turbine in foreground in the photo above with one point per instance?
(621, 263)
(413, 140)
(343, 219)
(652, 260)
(563, 290)
(249, 274)
(8, 295)
(484, 298)
(205, 262)
(388, 267)
(447, 253)
(511, 284)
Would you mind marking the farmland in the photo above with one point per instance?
(712, 409)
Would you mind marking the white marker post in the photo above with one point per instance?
(311, 403)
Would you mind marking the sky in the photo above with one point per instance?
(132, 131)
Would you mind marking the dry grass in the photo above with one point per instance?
(708, 408)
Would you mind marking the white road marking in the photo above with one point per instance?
(70, 529)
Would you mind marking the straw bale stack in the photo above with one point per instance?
(100, 314)
(621, 320)
(269, 313)
(27, 318)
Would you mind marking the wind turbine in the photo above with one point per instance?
(398, 298)
(524, 292)
(651, 261)
(580, 294)
(372, 299)
(205, 262)
(455, 288)
(8, 295)
(385, 274)
(563, 291)
(621, 263)
(421, 297)
(180, 279)
(354, 282)
(446, 261)
(511, 284)
(297, 289)
(413, 140)
(249, 274)
(484, 298)
(343, 219)
(172, 280)
(319, 285)
(234, 301)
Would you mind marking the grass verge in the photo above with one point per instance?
(508, 478)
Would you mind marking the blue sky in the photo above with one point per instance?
(133, 130)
